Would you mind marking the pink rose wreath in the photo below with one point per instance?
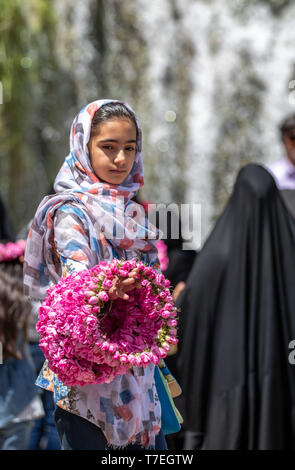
(89, 339)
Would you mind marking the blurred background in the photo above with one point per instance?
(209, 79)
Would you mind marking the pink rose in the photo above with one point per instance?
(93, 300)
(171, 339)
(123, 273)
(172, 331)
(124, 358)
(165, 314)
(89, 293)
(107, 284)
(103, 296)
(162, 352)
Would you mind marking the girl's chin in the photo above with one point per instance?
(113, 179)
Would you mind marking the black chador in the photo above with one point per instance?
(238, 321)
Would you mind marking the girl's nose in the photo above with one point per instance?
(120, 157)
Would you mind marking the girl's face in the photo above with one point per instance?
(112, 150)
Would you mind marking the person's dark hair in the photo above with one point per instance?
(287, 125)
(108, 112)
(6, 228)
(14, 309)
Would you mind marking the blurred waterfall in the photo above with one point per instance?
(230, 64)
(210, 83)
(209, 79)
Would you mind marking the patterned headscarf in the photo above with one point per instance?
(112, 219)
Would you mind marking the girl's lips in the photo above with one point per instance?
(118, 171)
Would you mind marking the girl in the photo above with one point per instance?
(92, 218)
(19, 400)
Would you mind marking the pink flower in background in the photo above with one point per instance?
(162, 254)
(88, 340)
(12, 250)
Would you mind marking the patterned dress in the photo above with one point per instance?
(113, 407)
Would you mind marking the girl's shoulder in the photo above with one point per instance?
(70, 209)
(72, 239)
(71, 216)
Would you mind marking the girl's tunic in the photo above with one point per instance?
(74, 230)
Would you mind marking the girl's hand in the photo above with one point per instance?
(120, 287)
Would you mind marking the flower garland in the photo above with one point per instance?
(11, 251)
(88, 339)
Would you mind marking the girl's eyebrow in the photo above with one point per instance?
(113, 140)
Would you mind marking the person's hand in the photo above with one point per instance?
(121, 286)
(178, 288)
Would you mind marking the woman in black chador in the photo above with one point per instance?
(238, 318)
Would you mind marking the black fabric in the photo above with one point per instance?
(288, 196)
(6, 230)
(180, 261)
(238, 318)
(178, 269)
(77, 433)
(179, 266)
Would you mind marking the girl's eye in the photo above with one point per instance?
(130, 149)
(107, 147)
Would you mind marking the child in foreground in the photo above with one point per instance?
(92, 218)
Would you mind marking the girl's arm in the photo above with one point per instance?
(71, 239)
